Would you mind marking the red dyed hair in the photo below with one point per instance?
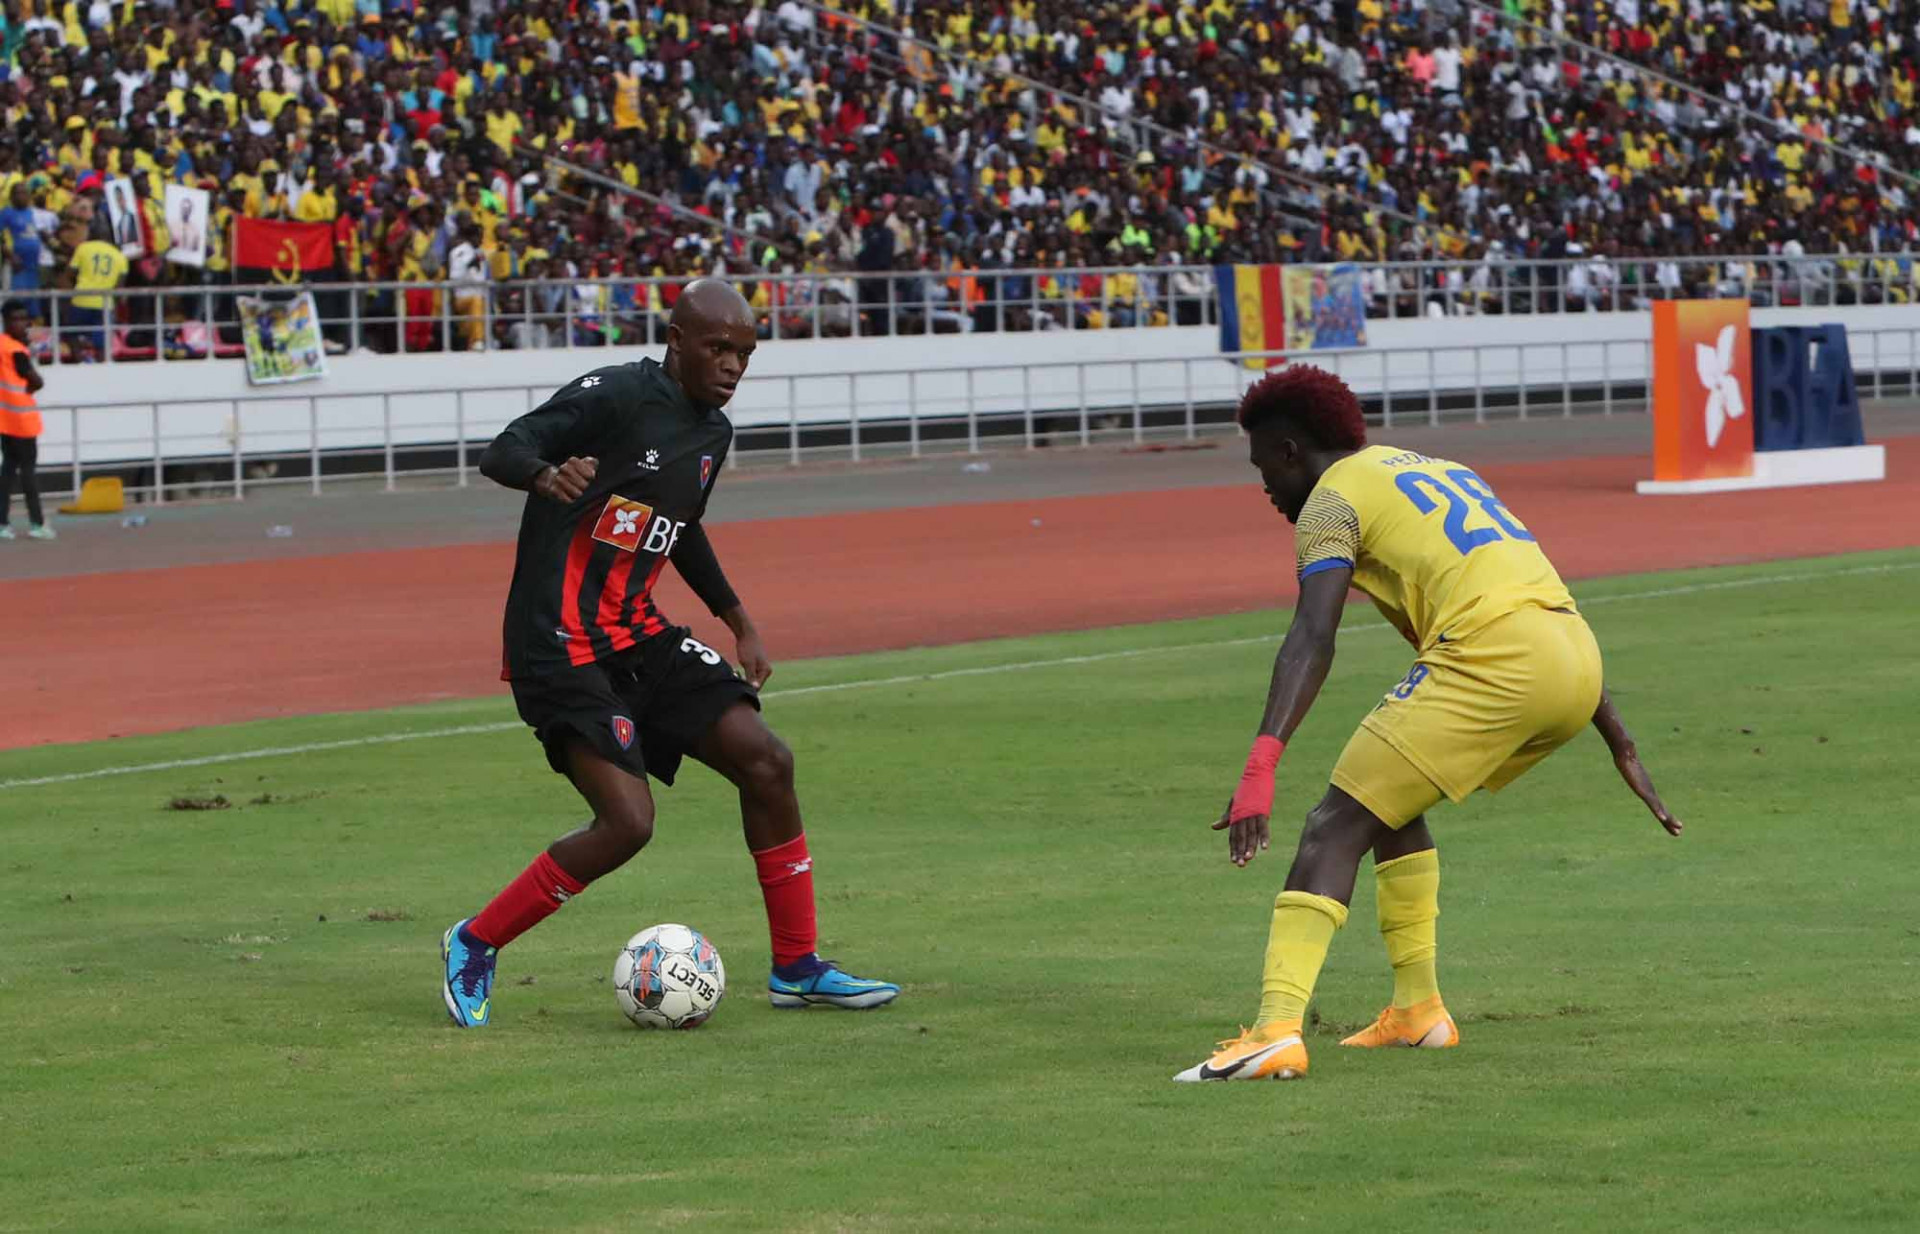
(1311, 400)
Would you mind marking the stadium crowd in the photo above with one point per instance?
(489, 143)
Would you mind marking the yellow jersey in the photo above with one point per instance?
(1428, 542)
(316, 207)
(98, 266)
(626, 101)
(502, 128)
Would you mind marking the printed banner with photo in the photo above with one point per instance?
(1326, 307)
(283, 339)
(123, 215)
(187, 213)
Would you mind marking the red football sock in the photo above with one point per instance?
(525, 902)
(786, 883)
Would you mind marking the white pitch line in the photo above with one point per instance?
(870, 683)
(237, 756)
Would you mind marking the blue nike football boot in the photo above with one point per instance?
(469, 983)
(814, 981)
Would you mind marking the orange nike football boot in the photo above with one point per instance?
(1273, 1053)
(1425, 1025)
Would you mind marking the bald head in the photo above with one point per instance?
(710, 302)
(710, 338)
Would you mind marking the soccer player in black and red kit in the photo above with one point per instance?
(619, 465)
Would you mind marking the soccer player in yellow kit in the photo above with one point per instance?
(1506, 672)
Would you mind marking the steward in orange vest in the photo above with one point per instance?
(19, 421)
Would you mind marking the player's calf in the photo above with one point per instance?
(764, 772)
(622, 823)
(613, 838)
(1339, 831)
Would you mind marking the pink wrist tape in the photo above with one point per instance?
(1255, 794)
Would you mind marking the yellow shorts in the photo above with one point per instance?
(1476, 713)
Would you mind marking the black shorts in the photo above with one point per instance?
(642, 709)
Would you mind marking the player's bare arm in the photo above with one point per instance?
(1626, 757)
(1299, 670)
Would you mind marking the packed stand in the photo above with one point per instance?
(1559, 178)
(900, 191)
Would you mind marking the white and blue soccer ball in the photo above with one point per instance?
(669, 976)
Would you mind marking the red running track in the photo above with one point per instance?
(154, 650)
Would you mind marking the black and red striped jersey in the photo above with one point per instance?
(584, 572)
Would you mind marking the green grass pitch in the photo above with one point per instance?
(230, 1019)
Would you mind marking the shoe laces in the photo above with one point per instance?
(1384, 1022)
(473, 971)
(1230, 1042)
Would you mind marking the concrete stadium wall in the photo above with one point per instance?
(187, 409)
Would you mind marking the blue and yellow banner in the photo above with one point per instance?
(1252, 314)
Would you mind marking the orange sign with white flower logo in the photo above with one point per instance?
(1702, 390)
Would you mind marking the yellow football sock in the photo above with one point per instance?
(1303, 926)
(1409, 898)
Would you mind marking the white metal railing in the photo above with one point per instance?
(163, 449)
(201, 323)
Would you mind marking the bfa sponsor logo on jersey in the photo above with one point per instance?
(623, 522)
(632, 526)
(1703, 386)
(662, 534)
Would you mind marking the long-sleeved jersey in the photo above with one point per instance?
(584, 572)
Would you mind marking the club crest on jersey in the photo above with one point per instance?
(622, 522)
(623, 732)
(706, 469)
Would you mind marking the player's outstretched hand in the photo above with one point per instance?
(1627, 760)
(1245, 837)
(568, 481)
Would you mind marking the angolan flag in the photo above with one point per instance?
(290, 252)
